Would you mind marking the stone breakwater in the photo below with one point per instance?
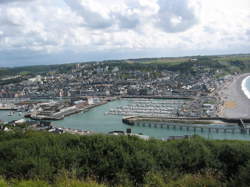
(131, 120)
(216, 125)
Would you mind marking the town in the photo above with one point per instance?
(87, 84)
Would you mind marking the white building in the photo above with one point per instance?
(93, 100)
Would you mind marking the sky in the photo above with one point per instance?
(34, 32)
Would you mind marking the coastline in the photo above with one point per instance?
(244, 87)
(233, 100)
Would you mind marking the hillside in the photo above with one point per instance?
(228, 64)
(123, 160)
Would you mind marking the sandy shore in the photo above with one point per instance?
(235, 102)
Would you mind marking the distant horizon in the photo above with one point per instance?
(123, 59)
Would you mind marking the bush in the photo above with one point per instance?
(120, 160)
(195, 181)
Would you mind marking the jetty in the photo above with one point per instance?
(160, 97)
(224, 125)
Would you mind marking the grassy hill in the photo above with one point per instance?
(229, 63)
(26, 70)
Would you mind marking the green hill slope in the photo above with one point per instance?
(123, 160)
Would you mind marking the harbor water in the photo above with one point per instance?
(98, 121)
(7, 116)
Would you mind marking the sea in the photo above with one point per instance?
(246, 86)
(98, 121)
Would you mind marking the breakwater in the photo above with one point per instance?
(159, 97)
(131, 119)
(225, 125)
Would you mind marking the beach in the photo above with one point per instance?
(234, 103)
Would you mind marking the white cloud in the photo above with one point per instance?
(53, 27)
(13, 1)
(176, 15)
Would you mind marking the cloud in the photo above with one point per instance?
(176, 15)
(11, 1)
(127, 21)
(126, 15)
(92, 19)
(70, 30)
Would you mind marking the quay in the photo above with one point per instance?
(159, 97)
(9, 104)
(192, 124)
(13, 100)
(8, 108)
(64, 112)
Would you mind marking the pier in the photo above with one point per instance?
(160, 97)
(193, 128)
(192, 124)
(242, 126)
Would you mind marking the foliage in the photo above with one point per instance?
(67, 182)
(34, 70)
(195, 181)
(122, 160)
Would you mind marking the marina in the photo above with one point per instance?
(99, 119)
(149, 107)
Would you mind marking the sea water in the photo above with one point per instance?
(246, 86)
(95, 120)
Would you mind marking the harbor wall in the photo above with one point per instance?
(159, 97)
(131, 120)
(190, 124)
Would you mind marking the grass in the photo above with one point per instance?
(39, 183)
(153, 180)
(168, 61)
(232, 58)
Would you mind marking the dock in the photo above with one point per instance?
(160, 97)
(225, 125)
(64, 112)
(148, 107)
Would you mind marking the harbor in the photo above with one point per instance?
(149, 107)
(96, 119)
